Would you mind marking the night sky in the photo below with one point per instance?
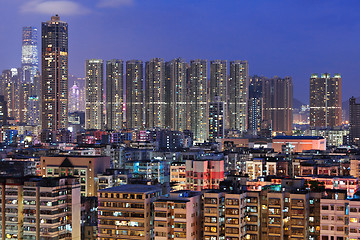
(281, 38)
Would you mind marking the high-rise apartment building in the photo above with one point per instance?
(217, 116)
(155, 93)
(354, 121)
(178, 94)
(114, 94)
(34, 111)
(3, 111)
(134, 94)
(11, 81)
(325, 100)
(34, 101)
(126, 212)
(54, 74)
(238, 95)
(218, 81)
(94, 109)
(255, 106)
(25, 90)
(40, 208)
(29, 57)
(199, 115)
(277, 103)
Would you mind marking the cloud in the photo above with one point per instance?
(114, 3)
(61, 7)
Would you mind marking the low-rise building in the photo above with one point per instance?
(40, 208)
(204, 173)
(178, 216)
(299, 143)
(86, 168)
(178, 175)
(126, 212)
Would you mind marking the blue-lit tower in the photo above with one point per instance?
(29, 56)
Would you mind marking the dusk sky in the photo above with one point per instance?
(295, 38)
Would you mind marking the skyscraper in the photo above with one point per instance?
(155, 93)
(325, 100)
(54, 78)
(114, 94)
(24, 91)
(74, 98)
(199, 115)
(216, 119)
(354, 121)
(218, 80)
(33, 113)
(29, 56)
(94, 109)
(11, 80)
(134, 94)
(277, 103)
(238, 95)
(255, 104)
(177, 78)
(3, 111)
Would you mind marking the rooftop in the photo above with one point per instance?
(299, 137)
(133, 188)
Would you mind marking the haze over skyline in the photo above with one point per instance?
(281, 38)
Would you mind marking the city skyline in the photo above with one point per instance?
(283, 52)
(151, 147)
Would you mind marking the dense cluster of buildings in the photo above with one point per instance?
(171, 150)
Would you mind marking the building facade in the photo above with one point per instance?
(325, 100)
(178, 216)
(54, 77)
(198, 101)
(29, 54)
(354, 121)
(127, 212)
(40, 208)
(217, 118)
(238, 95)
(134, 95)
(94, 110)
(86, 168)
(156, 91)
(114, 94)
(176, 76)
(277, 103)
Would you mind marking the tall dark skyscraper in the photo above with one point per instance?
(177, 78)
(54, 74)
(155, 93)
(29, 56)
(94, 90)
(255, 104)
(277, 103)
(114, 94)
(3, 111)
(325, 100)
(199, 100)
(354, 121)
(216, 119)
(134, 94)
(238, 95)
